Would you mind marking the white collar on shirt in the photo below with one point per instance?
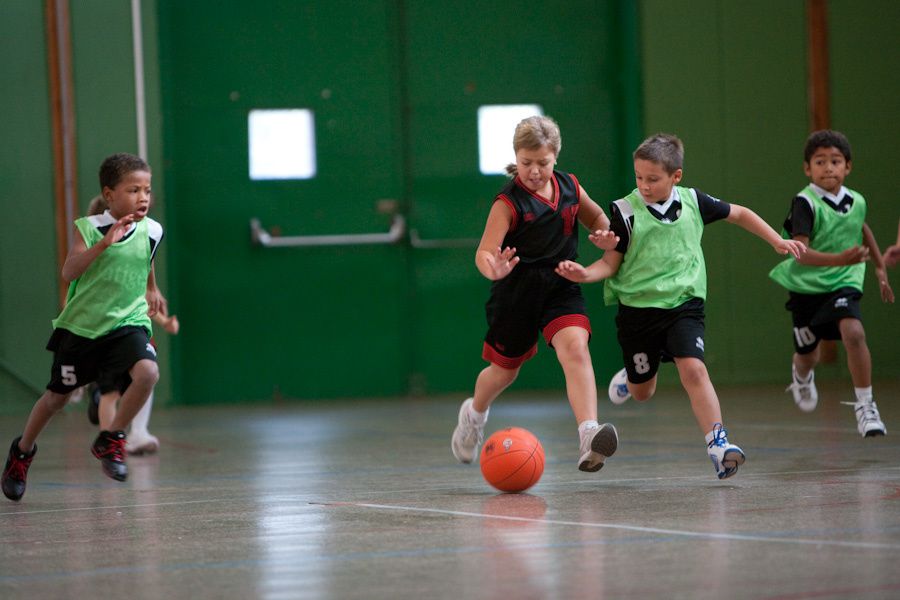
(662, 208)
(832, 198)
(111, 220)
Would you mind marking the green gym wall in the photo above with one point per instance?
(395, 87)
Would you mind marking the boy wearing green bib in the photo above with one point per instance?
(103, 333)
(657, 276)
(825, 285)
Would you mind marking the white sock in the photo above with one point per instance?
(142, 419)
(863, 394)
(586, 425)
(800, 379)
(479, 418)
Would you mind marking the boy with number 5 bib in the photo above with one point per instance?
(657, 275)
(103, 333)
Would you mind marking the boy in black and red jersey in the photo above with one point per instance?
(531, 227)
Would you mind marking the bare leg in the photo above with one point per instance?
(492, 380)
(107, 409)
(828, 355)
(804, 363)
(571, 344)
(704, 401)
(642, 391)
(859, 360)
(46, 406)
(144, 375)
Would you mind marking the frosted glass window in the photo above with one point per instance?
(282, 144)
(496, 127)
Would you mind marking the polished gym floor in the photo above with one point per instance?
(364, 500)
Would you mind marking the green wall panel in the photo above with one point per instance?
(105, 122)
(732, 84)
(104, 92)
(28, 293)
(302, 322)
(476, 58)
(395, 89)
(865, 104)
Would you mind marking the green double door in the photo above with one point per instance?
(394, 88)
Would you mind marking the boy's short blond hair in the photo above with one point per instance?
(533, 133)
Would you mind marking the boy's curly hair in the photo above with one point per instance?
(826, 138)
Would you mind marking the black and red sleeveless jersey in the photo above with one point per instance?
(544, 230)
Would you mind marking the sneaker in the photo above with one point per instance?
(806, 396)
(141, 443)
(726, 457)
(93, 405)
(16, 470)
(109, 447)
(868, 421)
(467, 436)
(618, 388)
(597, 444)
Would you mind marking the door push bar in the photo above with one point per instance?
(260, 236)
(416, 242)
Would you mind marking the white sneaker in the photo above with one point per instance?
(868, 421)
(618, 388)
(597, 444)
(141, 443)
(468, 434)
(725, 457)
(806, 396)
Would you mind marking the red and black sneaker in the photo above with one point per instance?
(109, 447)
(16, 470)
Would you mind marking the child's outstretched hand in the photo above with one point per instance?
(171, 325)
(156, 303)
(502, 262)
(892, 255)
(856, 254)
(118, 230)
(572, 271)
(605, 239)
(792, 247)
(887, 294)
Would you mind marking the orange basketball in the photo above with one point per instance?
(512, 459)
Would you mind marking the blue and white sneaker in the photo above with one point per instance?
(618, 388)
(725, 457)
(868, 420)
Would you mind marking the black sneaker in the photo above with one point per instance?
(109, 447)
(16, 470)
(93, 404)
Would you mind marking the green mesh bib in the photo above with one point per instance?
(110, 294)
(664, 265)
(832, 232)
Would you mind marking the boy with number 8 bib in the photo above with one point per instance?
(657, 275)
(103, 333)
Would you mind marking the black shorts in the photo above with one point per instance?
(78, 361)
(816, 316)
(649, 335)
(527, 301)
